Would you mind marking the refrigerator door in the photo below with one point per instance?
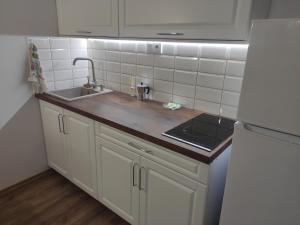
(263, 182)
(270, 95)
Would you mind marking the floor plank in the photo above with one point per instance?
(50, 199)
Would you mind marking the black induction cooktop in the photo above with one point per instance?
(204, 131)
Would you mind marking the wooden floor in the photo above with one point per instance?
(52, 200)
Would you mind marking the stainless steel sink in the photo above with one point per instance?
(77, 93)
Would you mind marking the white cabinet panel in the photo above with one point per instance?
(81, 147)
(190, 19)
(54, 138)
(88, 17)
(118, 180)
(169, 198)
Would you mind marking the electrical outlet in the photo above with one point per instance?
(154, 48)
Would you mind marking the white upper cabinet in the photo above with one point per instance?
(88, 17)
(188, 19)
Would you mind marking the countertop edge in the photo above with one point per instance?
(207, 159)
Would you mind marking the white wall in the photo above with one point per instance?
(22, 153)
(32, 17)
(285, 9)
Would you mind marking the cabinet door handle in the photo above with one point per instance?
(63, 124)
(171, 34)
(133, 176)
(141, 172)
(83, 32)
(139, 148)
(59, 125)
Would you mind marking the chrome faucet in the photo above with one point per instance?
(94, 84)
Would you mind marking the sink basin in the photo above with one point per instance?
(77, 93)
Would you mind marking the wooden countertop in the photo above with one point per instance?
(146, 120)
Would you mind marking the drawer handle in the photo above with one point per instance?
(83, 32)
(63, 124)
(141, 173)
(133, 174)
(171, 34)
(59, 121)
(140, 148)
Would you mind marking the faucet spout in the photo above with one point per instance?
(92, 63)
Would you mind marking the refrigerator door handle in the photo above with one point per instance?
(279, 136)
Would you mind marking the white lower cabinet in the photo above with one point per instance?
(143, 183)
(169, 198)
(70, 146)
(144, 192)
(80, 135)
(118, 180)
(54, 138)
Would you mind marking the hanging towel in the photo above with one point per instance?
(36, 77)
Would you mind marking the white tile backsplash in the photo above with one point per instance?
(128, 47)
(63, 75)
(163, 86)
(62, 64)
(46, 65)
(209, 107)
(78, 43)
(186, 63)
(164, 61)
(239, 53)
(113, 67)
(212, 66)
(128, 58)
(184, 90)
(164, 74)
(228, 111)
(210, 80)
(145, 59)
(60, 54)
(44, 54)
(235, 68)
(99, 54)
(168, 49)
(185, 77)
(145, 71)
(187, 50)
(79, 53)
(186, 102)
(59, 43)
(230, 98)
(78, 73)
(65, 84)
(41, 43)
(233, 84)
(206, 77)
(129, 69)
(208, 94)
(162, 97)
(113, 56)
(214, 52)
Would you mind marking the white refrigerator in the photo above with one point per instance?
(263, 180)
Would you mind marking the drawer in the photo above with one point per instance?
(173, 160)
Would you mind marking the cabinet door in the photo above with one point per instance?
(54, 137)
(189, 19)
(169, 198)
(88, 17)
(79, 131)
(118, 180)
